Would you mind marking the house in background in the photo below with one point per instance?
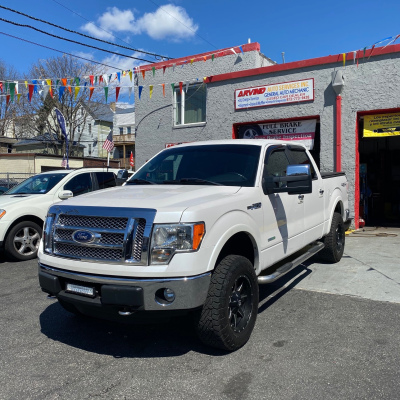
(124, 134)
(96, 126)
(6, 145)
(47, 144)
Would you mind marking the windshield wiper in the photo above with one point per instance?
(192, 180)
(139, 181)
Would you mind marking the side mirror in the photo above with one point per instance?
(297, 181)
(65, 194)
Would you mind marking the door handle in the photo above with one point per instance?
(301, 196)
(321, 191)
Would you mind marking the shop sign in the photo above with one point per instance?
(299, 131)
(381, 125)
(279, 93)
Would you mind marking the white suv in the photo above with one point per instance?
(24, 207)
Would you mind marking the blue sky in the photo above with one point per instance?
(179, 28)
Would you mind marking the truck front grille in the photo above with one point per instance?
(92, 222)
(106, 238)
(119, 239)
(95, 253)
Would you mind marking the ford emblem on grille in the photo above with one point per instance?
(82, 236)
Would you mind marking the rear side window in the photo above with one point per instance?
(105, 179)
(300, 157)
(79, 184)
(277, 163)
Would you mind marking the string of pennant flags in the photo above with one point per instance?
(356, 53)
(11, 88)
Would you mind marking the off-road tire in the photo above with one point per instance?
(334, 241)
(220, 323)
(33, 230)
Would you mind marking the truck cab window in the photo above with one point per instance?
(276, 164)
(299, 156)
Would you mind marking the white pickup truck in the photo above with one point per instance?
(23, 208)
(195, 229)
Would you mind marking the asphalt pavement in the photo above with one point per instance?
(323, 332)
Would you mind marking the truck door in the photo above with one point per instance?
(313, 202)
(283, 213)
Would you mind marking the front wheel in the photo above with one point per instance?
(230, 311)
(23, 240)
(334, 241)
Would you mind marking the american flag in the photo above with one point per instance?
(64, 162)
(109, 144)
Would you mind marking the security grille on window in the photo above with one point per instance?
(190, 105)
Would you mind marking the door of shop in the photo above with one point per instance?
(379, 176)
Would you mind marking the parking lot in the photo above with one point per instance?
(323, 331)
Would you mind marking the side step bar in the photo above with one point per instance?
(285, 268)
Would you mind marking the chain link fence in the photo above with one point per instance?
(10, 179)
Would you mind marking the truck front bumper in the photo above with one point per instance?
(125, 294)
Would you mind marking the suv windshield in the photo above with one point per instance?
(228, 165)
(38, 184)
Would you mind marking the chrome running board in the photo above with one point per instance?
(285, 268)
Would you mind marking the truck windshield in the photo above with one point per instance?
(228, 165)
(38, 184)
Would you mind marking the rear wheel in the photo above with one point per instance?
(22, 242)
(230, 311)
(334, 241)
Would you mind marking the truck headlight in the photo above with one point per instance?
(168, 239)
(2, 213)
(48, 234)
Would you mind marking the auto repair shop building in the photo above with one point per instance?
(346, 113)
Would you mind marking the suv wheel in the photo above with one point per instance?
(22, 242)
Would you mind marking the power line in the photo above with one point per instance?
(81, 16)
(59, 51)
(188, 27)
(74, 41)
(82, 34)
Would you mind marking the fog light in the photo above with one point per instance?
(169, 295)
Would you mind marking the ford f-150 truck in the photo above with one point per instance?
(195, 229)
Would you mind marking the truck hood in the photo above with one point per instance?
(172, 198)
(6, 200)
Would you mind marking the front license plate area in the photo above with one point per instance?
(80, 290)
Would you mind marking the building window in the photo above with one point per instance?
(190, 106)
(90, 128)
(128, 130)
(121, 131)
(9, 148)
(90, 149)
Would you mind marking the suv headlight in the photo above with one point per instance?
(168, 239)
(2, 213)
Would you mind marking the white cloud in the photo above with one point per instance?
(93, 30)
(83, 54)
(167, 22)
(122, 63)
(117, 20)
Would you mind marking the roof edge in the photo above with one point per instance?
(338, 58)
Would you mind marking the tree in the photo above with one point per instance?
(7, 111)
(38, 116)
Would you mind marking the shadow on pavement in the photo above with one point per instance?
(173, 338)
(168, 339)
(278, 289)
